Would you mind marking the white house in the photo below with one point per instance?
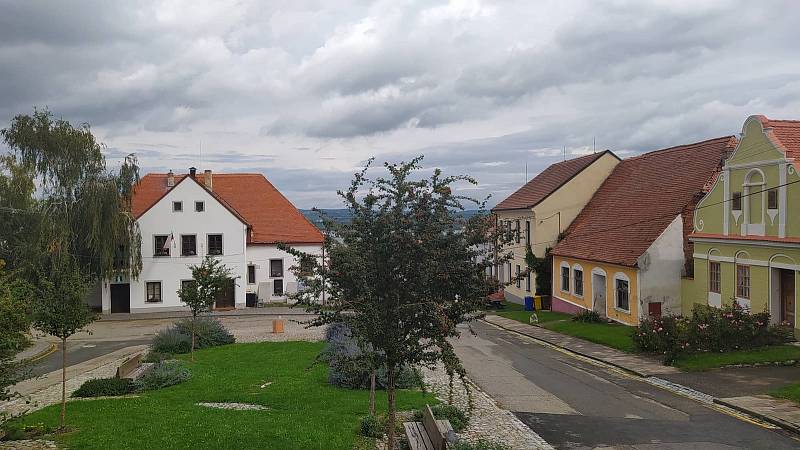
(237, 217)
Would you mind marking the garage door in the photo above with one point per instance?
(227, 298)
(120, 298)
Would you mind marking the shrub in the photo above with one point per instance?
(458, 418)
(479, 445)
(348, 364)
(163, 374)
(15, 431)
(209, 332)
(171, 341)
(105, 387)
(587, 316)
(371, 426)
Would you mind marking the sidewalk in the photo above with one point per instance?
(265, 311)
(780, 412)
(642, 366)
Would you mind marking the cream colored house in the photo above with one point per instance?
(543, 208)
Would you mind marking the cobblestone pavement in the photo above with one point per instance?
(488, 421)
(28, 444)
(259, 329)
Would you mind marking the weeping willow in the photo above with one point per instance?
(58, 198)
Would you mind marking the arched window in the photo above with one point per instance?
(564, 277)
(755, 202)
(577, 280)
(622, 292)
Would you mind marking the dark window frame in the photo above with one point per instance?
(199, 206)
(519, 280)
(184, 282)
(736, 201)
(622, 293)
(272, 272)
(714, 277)
(578, 273)
(275, 291)
(743, 281)
(177, 206)
(251, 274)
(772, 199)
(221, 244)
(564, 279)
(518, 232)
(528, 281)
(528, 232)
(158, 250)
(183, 245)
(150, 295)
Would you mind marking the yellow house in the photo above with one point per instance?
(625, 253)
(544, 207)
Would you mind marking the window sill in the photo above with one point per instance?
(153, 301)
(624, 311)
(160, 256)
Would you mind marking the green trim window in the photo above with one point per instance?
(736, 201)
(742, 281)
(714, 277)
(578, 276)
(622, 294)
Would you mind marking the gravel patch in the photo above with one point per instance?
(293, 331)
(234, 406)
(28, 444)
(488, 421)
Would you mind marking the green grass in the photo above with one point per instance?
(304, 411)
(613, 335)
(791, 392)
(764, 355)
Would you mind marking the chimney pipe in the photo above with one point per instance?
(208, 181)
(170, 179)
(192, 171)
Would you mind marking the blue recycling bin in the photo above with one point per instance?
(529, 303)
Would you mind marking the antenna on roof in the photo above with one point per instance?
(201, 153)
(565, 152)
(526, 166)
(594, 144)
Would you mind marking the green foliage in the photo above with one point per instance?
(543, 268)
(60, 308)
(209, 332)
(15, 298)
(478, 445)
(791, 392)
(105, 387)
(769, 355)
(14, 431)
(458, 418)
(163, 374)
(587, 316)
(371, 426)
(171, 341)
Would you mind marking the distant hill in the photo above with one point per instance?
(343, 216)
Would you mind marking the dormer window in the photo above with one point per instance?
(177, 206)
(736, 201)
(199, 206)
(772, 199)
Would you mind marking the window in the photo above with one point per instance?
(528, 232)
(177, 206)
(565, 279)
(251, 274)
(622, 294)
(528, 281)
(742, 281)
(186, 284)
(120, 258)
(519, 280)
(199, 206)
(188, 245)
(214, 244)
(517, 232)
(736, 201)
(578, 281)
(772, 199)
(277, 287)
(153, 292)
(161, 243)
(714, 279)
(509, 273)
(276, 268)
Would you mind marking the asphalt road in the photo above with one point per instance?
(80, 351)
(576, 404)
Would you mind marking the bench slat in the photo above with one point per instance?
(417, 437)
(436, 432)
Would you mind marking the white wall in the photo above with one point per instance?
(260, 256)
(160, 219)
(661, 267)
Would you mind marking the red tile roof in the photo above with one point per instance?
(547, 182)
(639, 199)
(250, 196)
(784, 133)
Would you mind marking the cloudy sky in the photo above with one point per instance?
(306, 91)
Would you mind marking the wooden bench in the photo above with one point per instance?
(430, 434)
(133, 368)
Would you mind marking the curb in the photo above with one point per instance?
(42, 354)
(178, 315)
(774, 421)
(594, 358)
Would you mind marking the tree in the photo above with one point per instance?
(543, 268)
(15, 295)
(404, 273)
(209, 279)
(60, 308)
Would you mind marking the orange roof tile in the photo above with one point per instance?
(250, 196)
(784, 133)
(547, 182)
(639, 199)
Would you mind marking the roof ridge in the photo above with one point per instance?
(679, 147)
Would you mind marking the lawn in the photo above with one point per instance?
(611, 334)
(705, 361)
(304, 411)
(791, 392)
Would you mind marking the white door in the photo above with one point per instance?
(599, 294)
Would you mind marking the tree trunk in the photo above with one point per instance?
(372, 392)
(63, 383)
(390, 423)
(192, 350)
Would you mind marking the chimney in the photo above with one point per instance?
(170, 179)
(192, 171)
(207, 180)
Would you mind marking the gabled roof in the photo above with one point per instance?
(640, 198)
(249, 196)
(547, 182)
(784, 133)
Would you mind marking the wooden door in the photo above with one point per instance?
(787, 296)
(227, 298)
(654, 309)
(120, 298)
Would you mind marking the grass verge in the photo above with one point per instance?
(791, 392)
(304, 411)
(764, 355)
